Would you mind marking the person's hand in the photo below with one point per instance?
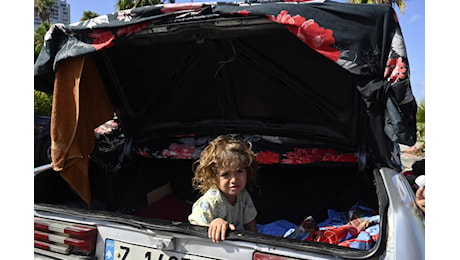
(218, 229)
(420, 198)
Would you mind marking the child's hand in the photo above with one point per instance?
(218, 229)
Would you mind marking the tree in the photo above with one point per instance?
(42, 103)
(44, 9)
(128, 4)
(420, 118)
(399, 3)
(124, 4)
(88, 15)
(39, 37)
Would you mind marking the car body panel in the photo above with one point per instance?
(404, 218)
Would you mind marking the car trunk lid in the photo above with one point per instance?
(211, 78)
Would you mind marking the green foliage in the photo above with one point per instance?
(42, 103)
(44, 9)
(39, 37)
(88, 15)
(421, 112)
(128, 4)
(420, 118)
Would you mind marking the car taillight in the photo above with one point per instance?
(264, 256)
(64, 237)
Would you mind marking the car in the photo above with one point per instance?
(42, 140)
(321, 89)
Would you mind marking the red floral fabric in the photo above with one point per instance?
(189, 147)
(333, 235)
(268, 157)
(310, 33)
(364, 40)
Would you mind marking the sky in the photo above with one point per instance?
(412, 25)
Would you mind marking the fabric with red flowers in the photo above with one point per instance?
(365, 40)
(267, 151)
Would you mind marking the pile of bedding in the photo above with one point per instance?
(358, 228)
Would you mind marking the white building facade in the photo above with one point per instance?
(60, 14)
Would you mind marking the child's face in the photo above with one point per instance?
(231, 181)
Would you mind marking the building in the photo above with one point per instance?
(60, 14)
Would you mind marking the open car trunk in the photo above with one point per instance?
(158, 192)
(320, 89)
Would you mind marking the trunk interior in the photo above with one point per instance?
(161, 188)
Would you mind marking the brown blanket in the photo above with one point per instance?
(80, 104)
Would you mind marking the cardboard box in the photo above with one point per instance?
(158, 193)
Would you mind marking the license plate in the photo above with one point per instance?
(117, 250)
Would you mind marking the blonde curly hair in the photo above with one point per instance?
(222, 152)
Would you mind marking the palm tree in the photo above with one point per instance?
(88, 15)
(39, 37)
(139, 3)
(128, 4)
(400, 3)
(44, 9)
(124, 4)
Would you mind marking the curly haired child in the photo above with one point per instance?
(224, 168)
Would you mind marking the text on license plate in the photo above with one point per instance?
(117, 250)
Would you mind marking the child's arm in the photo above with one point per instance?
(218, 229)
